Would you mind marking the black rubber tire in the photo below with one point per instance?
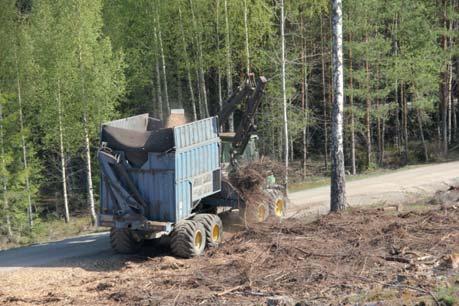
(124, 241)
(183, 239)
(274, 196)
(210, 221)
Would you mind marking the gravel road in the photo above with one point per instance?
(393, 188)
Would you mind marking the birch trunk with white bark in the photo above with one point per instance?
(24, 146)
(163, 65)
(202, 80)
(87, 146)
(229, 78)
(159, 94)
(304, 98)
(188, 69)
(87, 149)
(338, 193)
(284, 92)
(219, 75)
(246, 30)
(62, 153)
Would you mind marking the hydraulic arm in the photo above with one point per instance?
(253, 92)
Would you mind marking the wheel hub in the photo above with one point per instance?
(261, 213)
(279, 208)
(216, 233)
(198, 240)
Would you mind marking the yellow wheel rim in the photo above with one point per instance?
(279, 207)
(198, 240)
(261, 213)
(216, 233)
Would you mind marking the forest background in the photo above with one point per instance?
(67, 66)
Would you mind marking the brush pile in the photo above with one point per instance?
(251, 176)
(251, 180)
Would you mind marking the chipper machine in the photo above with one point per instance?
(168, 182)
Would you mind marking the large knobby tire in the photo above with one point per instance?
(213, 226)
(255, 213)
(125, 241)
(188, 239)
(278, 203)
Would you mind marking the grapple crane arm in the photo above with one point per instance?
(253, 90)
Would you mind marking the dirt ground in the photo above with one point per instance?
(359, 257)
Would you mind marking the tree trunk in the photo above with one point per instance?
(383, 141)
(421, 133)
(284, 90)
(202, 81)
(229, 78)
(87, 150)
(378, 121)
(219, 75)
(397, 110)
(87, 147)
(324, 96)
(163, 62)
(450, 101)
(179, 91)
(246, 30)
(405, 124)
(378, 131)
(444, 86)
(61, 153)
(9, 232)
(304, 98)
(338, 193)
(24, 146)
(159, 92)
(188, 70)
(450, 83)
(454, 119)
(368, 110)
(200, 107)
(351, 106)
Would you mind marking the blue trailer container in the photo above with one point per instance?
(154, 177)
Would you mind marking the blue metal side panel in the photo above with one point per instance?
(195, 133)
(197, 157)
(156, 184)
(106, 202)
(195, 175)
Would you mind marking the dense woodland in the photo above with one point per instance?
(67, 66)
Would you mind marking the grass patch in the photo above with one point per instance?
(54, 229)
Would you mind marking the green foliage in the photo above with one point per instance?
(98, 59)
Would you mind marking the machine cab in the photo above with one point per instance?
(250, 153)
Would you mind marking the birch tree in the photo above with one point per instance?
(338, 188)
(229, 76)
(163, 60)
(246, 31)
(187, 66)
(284, 90)
(100, 82)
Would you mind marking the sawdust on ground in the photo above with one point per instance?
(353, 257)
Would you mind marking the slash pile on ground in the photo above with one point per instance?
(352, 258)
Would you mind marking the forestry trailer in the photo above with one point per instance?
(170, 182)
